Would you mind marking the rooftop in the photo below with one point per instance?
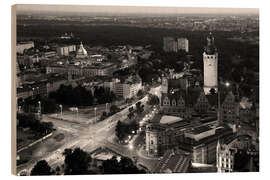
(200, 129)
(173, 162)
(169, 119)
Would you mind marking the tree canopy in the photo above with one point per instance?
(124, 166)
(41, 168)
(30, 120)
(153, 100)
(76, 161)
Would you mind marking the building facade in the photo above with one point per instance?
(87, 71)
(182, 44)
(65, 50)
(127, 90)
(156, 140)
(229, 109)
(198, 141)
(169, 44)
(226, 150)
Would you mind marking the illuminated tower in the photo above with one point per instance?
(210, 61)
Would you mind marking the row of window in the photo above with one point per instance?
(167, 102)
(211, 57)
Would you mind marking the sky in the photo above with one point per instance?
(132, 9)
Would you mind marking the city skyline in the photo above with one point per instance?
(134, 94)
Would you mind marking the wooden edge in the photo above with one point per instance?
(13, 90)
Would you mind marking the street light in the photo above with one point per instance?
(130, 146)
(39, 107)
(61, 109)
(227, 84)
(106, 107)
(77, 110)
(95, 114)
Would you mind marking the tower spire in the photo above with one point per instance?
(210, 46)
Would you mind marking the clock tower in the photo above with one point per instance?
(210, 65)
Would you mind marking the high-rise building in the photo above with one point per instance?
(182, 44)
(65, 50)
(210, 61)
(169, 44)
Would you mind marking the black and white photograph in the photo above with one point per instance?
(135, 89)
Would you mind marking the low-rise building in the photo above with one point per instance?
(103, 69)
(33, 88)
(65, 50)
(229, 109)
(49, 54)
(21, 46)
(226, 150)
(197, 136)
(201, 142)
(127, 90)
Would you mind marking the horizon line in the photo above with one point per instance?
(112, 9)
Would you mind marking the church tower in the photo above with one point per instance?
(210, 61)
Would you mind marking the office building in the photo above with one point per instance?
(65, 50)
(182, 44)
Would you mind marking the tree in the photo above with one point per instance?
(78, 96)
(124, 166)
(48, 105)
(114, 109)
(120, 130)
(57, 170)
(131, 112)
(153, 100)
(30, 120)
(139, 107)
(76, 161)
(140, 93)
(103, 116)
(133, 126)
(212, 91)
(41, 168)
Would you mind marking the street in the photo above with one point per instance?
(86, 136)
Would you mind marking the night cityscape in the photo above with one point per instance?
(135, 93)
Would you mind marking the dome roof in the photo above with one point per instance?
(81, 51)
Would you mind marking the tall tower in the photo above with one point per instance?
(210, 61)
